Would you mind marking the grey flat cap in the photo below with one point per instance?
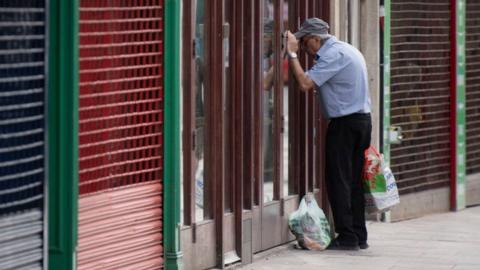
(312, 26)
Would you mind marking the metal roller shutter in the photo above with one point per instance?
(420, 93)
(473, 86)
(121, 229)
(121, 134)
(22, 133)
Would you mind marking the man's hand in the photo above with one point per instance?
(303, 80)
(292, 43)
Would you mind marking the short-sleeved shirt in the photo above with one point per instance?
(340, 77)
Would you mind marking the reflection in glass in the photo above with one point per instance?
(199, 158)
(285, 146)
(268, 101)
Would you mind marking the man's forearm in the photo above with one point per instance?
(303, 81)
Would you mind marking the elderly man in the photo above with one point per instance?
(340, 76)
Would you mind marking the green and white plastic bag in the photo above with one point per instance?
(309, 225)
(379, 186)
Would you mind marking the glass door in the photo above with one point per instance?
(240, 149)
(274, 148)
(202, 123)
(268, 104)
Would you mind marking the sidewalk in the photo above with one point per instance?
(435, 242)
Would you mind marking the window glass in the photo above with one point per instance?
(268, 101)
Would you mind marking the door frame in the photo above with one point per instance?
(198, 238)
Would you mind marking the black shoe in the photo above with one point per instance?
(363, 245)
(336, 245)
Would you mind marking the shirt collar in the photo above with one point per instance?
(325, 46)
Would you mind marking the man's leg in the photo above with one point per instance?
(363, 128)
(338, 172)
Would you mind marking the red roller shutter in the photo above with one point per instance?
(121, 134)
(420, 93)
(473, 86)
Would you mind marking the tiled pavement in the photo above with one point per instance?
(434, 242)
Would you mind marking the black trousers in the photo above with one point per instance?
(347, 139)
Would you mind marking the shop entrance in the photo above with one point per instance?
(250, 140)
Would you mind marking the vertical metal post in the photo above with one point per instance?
(171, 176)
(386, 91)
(457, 120)
(278, 100)
(63, 133)
(216, 39)
(386, 83)
(238, 58)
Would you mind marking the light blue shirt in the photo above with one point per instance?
(340, 77)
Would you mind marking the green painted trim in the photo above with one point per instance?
(386, 90)
(171, 144)
(63, 133)
(386, 83)
(460, 108)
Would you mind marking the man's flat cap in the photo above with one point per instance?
(312, 26)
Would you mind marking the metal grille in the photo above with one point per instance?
(22, 138)
(120, 134)
(473, 86)
(420, 93)
(121, 95)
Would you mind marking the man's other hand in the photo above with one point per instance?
(292, 43)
